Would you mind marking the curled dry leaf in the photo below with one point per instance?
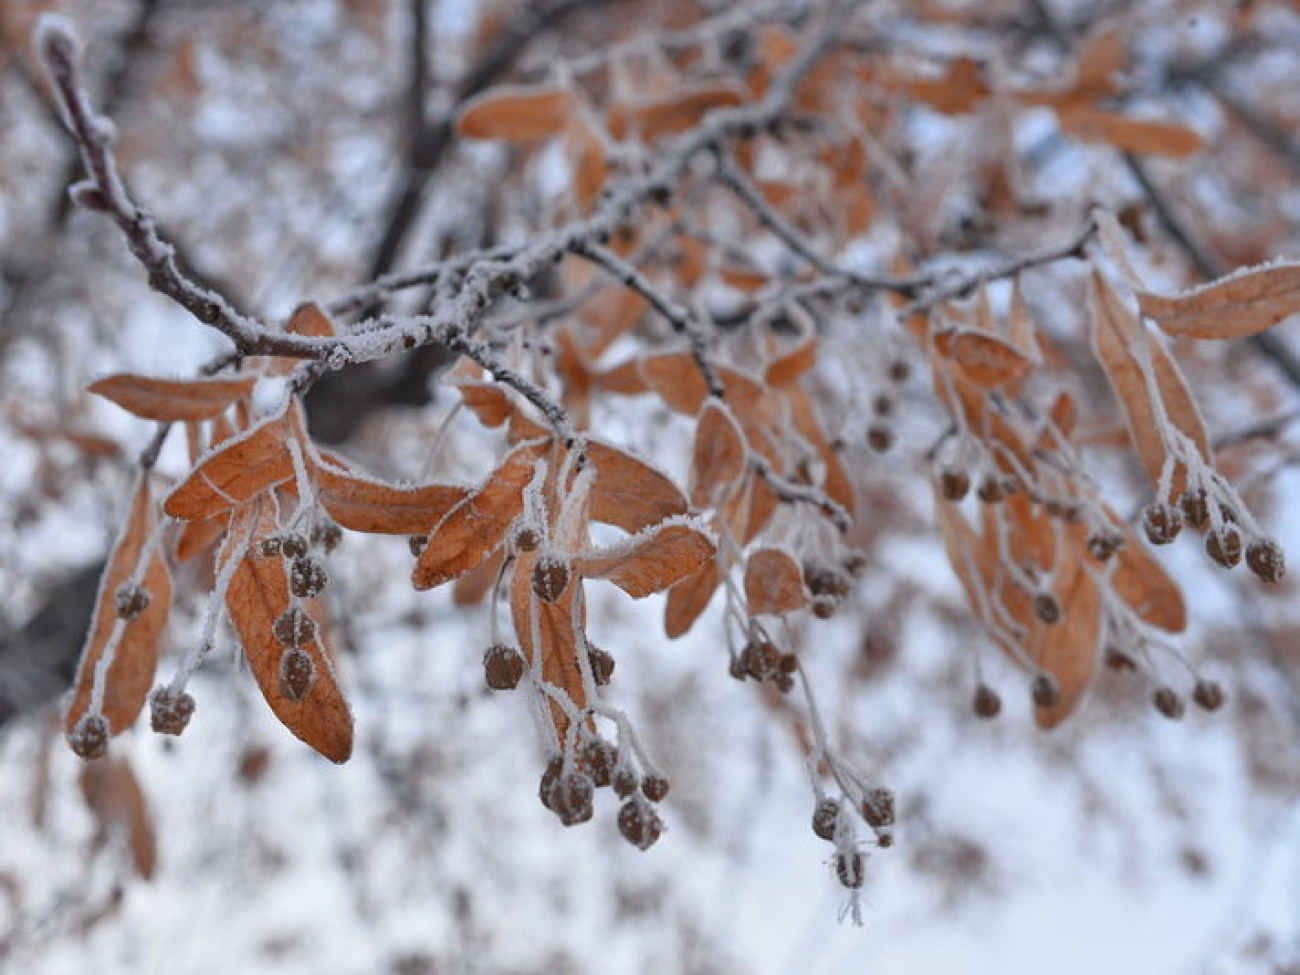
(718, 456)
(362, 504)
(516, 114)
(130, 675)
(651, 561)
(1234, 307)
(774, 582)
(258, 595)
(241, 467)
(172, 400)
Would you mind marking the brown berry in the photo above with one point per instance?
(550, 777)
(789, 663)
(655, 787)
(823, 607)
(625, 781)
(986, 703)
(1161, 522)
(307, 578)
(269, 546)
(571, 798)
(1208, 694)
(503, 667)
(1168, 703)
(526, 540)
(294, 628)
(882, 405)
(327, 536)
(1047, 609)
(600, 758)
(953, 485)
(1196, 509)
(297, 674)
(899, 370)
(885, 840)
(762, 659)
(848, 867)
(825, 816)
(991, 490)
(640, 824)
(89, 739)
(878, 807)
(550, 576)
(293, 546)
(826, 581)
(1266, 559)
(1044, 691)
(1224, 546)
(736, 667)
(880, 437)
(1104, 544)
(131, 601)
(602, 664)
(170, 712)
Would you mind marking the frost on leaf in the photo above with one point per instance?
(516, 114)
(774, 582)
(240, 468)
(362, 504)
(1236, 306)
(172, 400)
(651, 561)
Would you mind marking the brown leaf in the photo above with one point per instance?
(516, 114)
(651, 561)
(690, 597)
(958, 92)
(470, 588)
(1142, 582)
(1242, 304)
(629, 493)
(258, 594)
(113, 793)
(310, 319)
(587, 158)
(1068, 649)
(676, 112)
(130, 675)
(554, 642)
(1129, 134)
(987, 361)
(718, 456)
(774, 582)
(172, 400)
(362, 504)
(475, 527)
(240, 468)
(786, 369)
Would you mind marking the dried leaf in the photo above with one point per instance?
(651, 561)
(1068, 649)
(629, 493)
(987, 361)
(774, 582)
(362, 504)
(958, 92)
(1142, 582)
(240, 468)
(787, 368)
(1138, 136)
(674, 113)
(689, 598)
(1241, 304)
(171, 400)
(554, 641)
(470, 588)
(113, 793)
(516, 114)
(130, 675)
(718, 457)
(310, 319)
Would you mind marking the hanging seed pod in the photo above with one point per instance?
(546, 787)
(600, 758)
(1168, 703)
(503, 667)
(269, 546)
(1161, 522)
(823, 580)
(954, 485)
(170, 712)
(1047, 609)
(571, 798)
(550, 576)
(131, 601)
(1044, 691)
(880, 437)
(736, 667)
(823, 607)
(640, 824)
(789, 663)
(526, 540)
(991, 490)
(762, 659)
(1266, 559)
(885, 840)
(90, 737)
(1104, 544)
(986, 703)
(625, 781)
(307, 578)
(655, 787)
(602, 664)
(416, 544)
(848, 867)
(297, 674)
(899, 370)
(878, 807)
(825, 815)
(1224, 546)
(293, 546)
(1119, 660)
(294, 628)
(1196, 509)
(882, 405)
(1208, 695)
(327, 536)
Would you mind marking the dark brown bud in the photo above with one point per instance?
(602, 664)
(953, 485)
(503, 667)
(131, 601)
(737, 668)
(1266, 559)
(878, 807)
(1168, 703)
(825, 815)
(89, 739)
(1118, 660)
(848, 867)
(550, 576)
(882, 405)
(655, 787)
(1208, 694)
(762, 659)
(880, 437)
(899, 370)
(327, 536)
(546, 787)
(526, 540)
(297, 674)
(170, 712)
(294, 628)
(1104, 544)
(1044, 691)
(307, 578)
(823, 607)
(571, 798)
(823, 580)
(789, 663)
(293, 546)
(1047, 609)
(784, 682)
(417, 543)
(269, 546)
(885, 840)
(600, 758)
(991, 490)
(1161, 522)
(1224, 545)
(625, 781)
(1196, 509)
(986, 703)
(640, 824)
